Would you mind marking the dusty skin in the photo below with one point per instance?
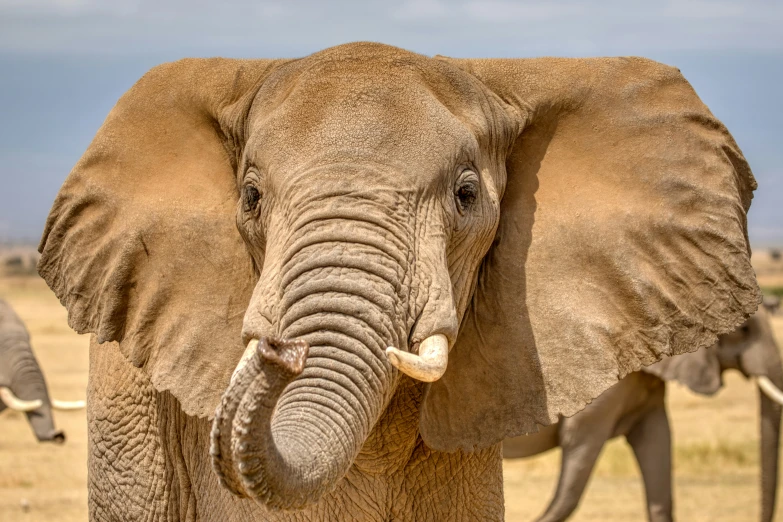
(353, 200)
(716, 440)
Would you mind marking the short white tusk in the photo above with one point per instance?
(15, 403)
(252, 346)
(67, 405)
(769, 389)
(429, 365)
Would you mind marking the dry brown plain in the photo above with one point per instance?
(715, 439)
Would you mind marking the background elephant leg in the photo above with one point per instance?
(650, 439)
(582, 442)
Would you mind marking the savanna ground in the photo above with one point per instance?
(715, 439)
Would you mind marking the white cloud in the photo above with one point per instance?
(272, 10)
(708, 9)
(422, 10)
(67, 7)
(507, 11)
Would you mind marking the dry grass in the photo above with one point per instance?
(769, 271)
(716, 461)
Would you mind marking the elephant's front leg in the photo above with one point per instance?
(581, 437)
(127, 475)
(650, 439)
(576, 466)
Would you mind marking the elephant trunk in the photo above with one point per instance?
(28, 382)
(770, 442)
(297, 414)
(22, 375)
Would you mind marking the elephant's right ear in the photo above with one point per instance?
(699, 370)
(141, 245)
(622, 239)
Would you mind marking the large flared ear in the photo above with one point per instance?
(141, 244)
(700, 370)
(622, 238)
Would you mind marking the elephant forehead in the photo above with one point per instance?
(347, 120)
(365, 109)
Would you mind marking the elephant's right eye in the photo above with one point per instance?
(466, 191)
(251, 197)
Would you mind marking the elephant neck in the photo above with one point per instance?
(395, 437)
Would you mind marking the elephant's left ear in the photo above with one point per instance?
(141, 244)
(622, 239)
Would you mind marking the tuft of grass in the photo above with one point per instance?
(715, 454)
(773, 290)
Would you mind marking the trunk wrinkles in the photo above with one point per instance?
(297, 426)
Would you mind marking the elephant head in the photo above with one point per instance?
(521, 232)
(753, 351)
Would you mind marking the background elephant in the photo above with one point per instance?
(772, 303)
(22, 383)
(635, 408)
(273, 256)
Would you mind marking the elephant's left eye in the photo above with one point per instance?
(251, 197)
(466, 191)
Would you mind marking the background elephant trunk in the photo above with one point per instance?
(770, 438)
(29, 383)
(20, 372)
(296, 434)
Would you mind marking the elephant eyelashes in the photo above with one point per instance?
(467, 191)
(251, 197)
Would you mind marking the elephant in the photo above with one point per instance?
(771, 303)
(327, 288)
(635, 409)
(18, 262)
(21, 376)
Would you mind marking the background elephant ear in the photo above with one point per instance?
(141, 244)
(699, 370)
(622, 239)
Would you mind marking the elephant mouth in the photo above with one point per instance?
(254, 458)
(425, 361)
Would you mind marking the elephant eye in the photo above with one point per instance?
(251, 197)
(466, 191)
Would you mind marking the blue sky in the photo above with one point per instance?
(64, 63)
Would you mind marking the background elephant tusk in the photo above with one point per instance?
(67, 405)
(15, 403)
(429, 365)
(769, 389)
(252, 346)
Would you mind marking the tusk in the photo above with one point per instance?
(15, 403)
(67, 405)
(429, 365)
(252, 346)
(769, 389)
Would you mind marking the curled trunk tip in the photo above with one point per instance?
(267, 366)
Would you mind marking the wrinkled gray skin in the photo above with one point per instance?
(361, 198)
(635, 408)
(19, 371)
